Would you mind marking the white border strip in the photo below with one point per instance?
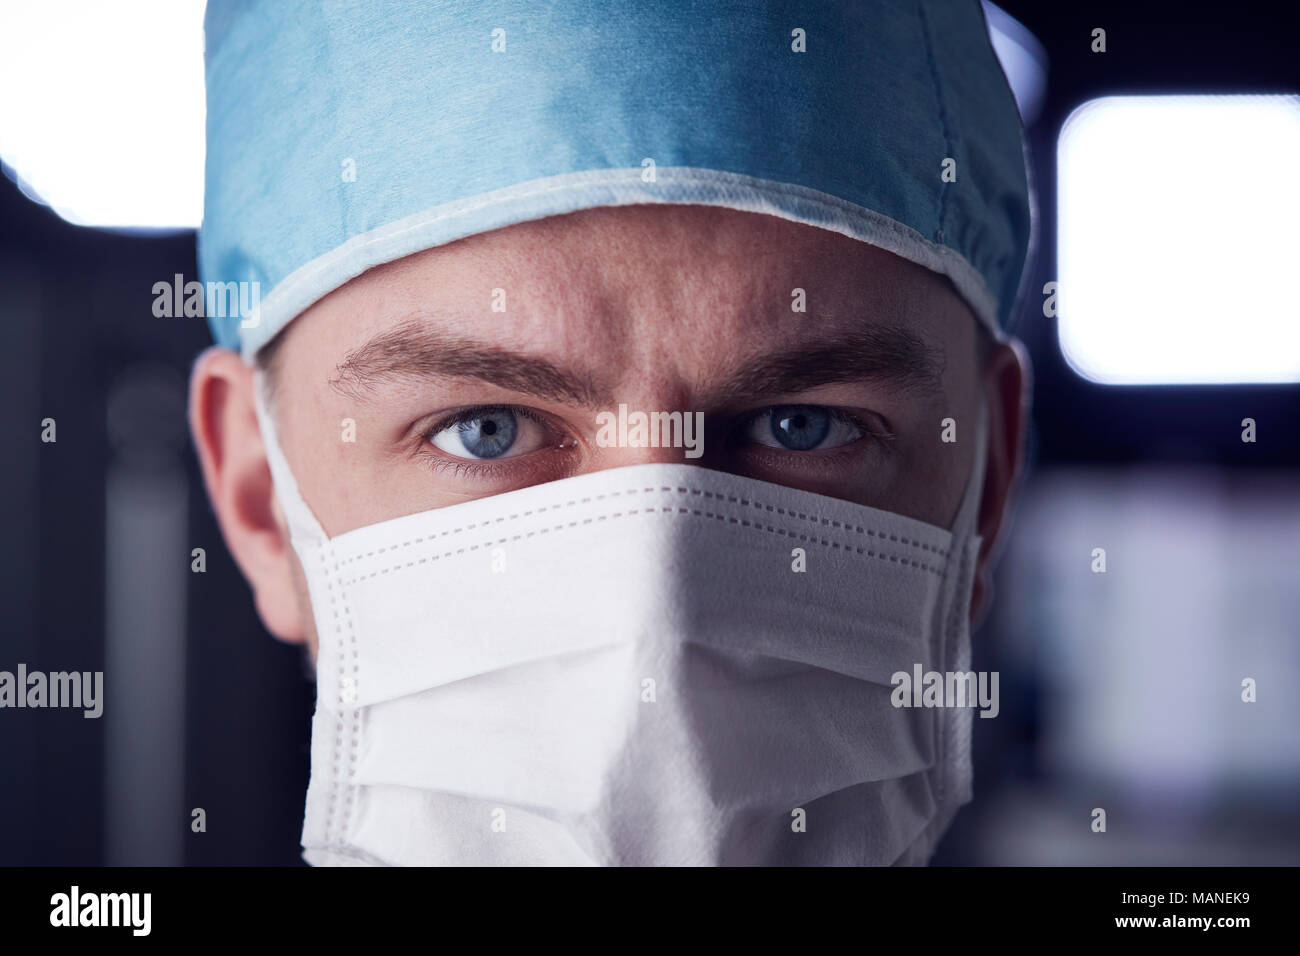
(555, 195)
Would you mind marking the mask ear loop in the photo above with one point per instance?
(967, 520)
(958, 773)
(304, 530)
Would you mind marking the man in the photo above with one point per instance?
(630, 405)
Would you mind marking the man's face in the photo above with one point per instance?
(405, 390)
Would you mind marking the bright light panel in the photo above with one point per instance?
(1179, 239)
(102, 109)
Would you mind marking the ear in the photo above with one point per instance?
(223, 421)
(1006, 384)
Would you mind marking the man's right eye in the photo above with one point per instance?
(478, 434)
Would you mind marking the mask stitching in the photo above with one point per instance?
(338, 720)
(664, 510)
(353, 856)
(355, 729)
(731, 499)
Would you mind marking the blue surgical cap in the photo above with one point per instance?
(342, 134)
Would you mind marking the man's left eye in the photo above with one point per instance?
(486, 433)
(802, 428)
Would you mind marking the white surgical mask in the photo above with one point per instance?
(626, 667)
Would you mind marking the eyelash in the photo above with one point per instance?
(475, 411)
(463, 467)
(869, 430)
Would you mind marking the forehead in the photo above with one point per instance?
(634, 285)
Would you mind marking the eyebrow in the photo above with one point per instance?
(413, 351)
(892, 355)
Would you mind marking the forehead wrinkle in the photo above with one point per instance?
(415, 351)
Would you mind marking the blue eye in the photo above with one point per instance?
(488, 436)
(799, 427)
(489, 433)
(802, 428)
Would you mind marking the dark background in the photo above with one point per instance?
(81, 346)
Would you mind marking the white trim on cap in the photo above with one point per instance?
(555, 195)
